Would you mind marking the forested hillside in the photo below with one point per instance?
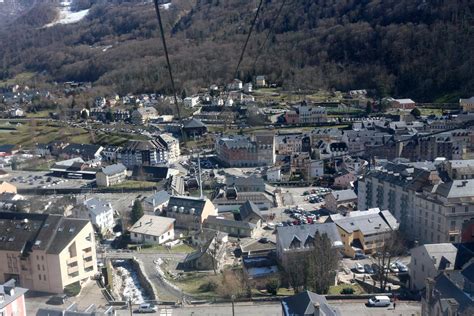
(414, 48)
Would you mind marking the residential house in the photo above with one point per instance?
(308, 304)
(151, 229)
(190, 212)
(249, 212)
(143, 115)
(292, 117)
(248, 87)
(274, 174)
(403, 104)
(202, 237)
(209, 257)
(12, 299)
(156, 203)
(45, 252)
(344, 179)
(295, 241)
(236, 84)
(8, 150)
(111, 175)
(260, 82)
(300, 166)
(100, 213)
(191, 102)
(429, 260)
(144, 153)
(341, 201)
(467, 105)
(193, 128)
(450, 293)
(6, 187)
(239, 229)
(288, 143)
(364, 231)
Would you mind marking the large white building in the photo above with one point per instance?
(100, 213)
(309, 114)
(144, 153)
(150, 229)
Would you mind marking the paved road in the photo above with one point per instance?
(352, 308)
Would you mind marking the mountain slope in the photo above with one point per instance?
(414, 48)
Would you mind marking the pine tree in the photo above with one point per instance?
(137, 211)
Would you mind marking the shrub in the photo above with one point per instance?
(272, 286)
(72, 289)
(347, 290)
(210, 286)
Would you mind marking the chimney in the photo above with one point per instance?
(429, 289)
(317, 309)
(453, 307)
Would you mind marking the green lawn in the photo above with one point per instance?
(131, 184)
(336, 289)
(193, 283)
(178, 249)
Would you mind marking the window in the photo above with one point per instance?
(39, 267)
(453, 210)
(423, 267)
(39, 276)
(466, 209)
(44, 277)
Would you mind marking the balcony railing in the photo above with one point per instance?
(71, 270)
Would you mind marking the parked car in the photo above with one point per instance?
(359, 268)
(147, 308)
(379, 301)
(394, 268)
(401, 266)
(368, 269)
(359, 256)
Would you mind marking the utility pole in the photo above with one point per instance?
(233, 299)
(130, 305)
(200, 179)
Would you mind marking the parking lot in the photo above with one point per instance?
(42, 179)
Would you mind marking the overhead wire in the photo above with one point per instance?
(165, 47)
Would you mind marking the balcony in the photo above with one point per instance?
(86, 253)
(88, 264)
(71, 270)
(70, 261)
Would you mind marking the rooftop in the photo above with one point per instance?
(152, 225)
(368, 222)
(285, 235)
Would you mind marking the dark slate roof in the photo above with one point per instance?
(286, 234)
(86, 150)
(114, 169)
(303, 304)
(248, 211)
(22, 232)
(150, 171)
(447, 289)
(143, 145)
(6, 148)
(221, 221)
(187, 203)
(193, 123)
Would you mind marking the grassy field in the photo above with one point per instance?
(193, 283)
(29, 134)
(21, 78)
(131, 184)
(280, 96)
(336, 289)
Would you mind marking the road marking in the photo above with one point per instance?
(166, 312)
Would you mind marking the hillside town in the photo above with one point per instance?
(239, 199)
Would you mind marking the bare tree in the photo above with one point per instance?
(392, 247)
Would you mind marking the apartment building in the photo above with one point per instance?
(45, 252)
(240, 151)
(110, 175)
(440, 211)
(146, 153)
(172, 145)
(309, 114)
(288, 143)
(393, 187)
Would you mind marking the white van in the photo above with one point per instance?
(379, 301)
(147, 308)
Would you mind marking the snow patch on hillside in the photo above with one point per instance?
(66, 16)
